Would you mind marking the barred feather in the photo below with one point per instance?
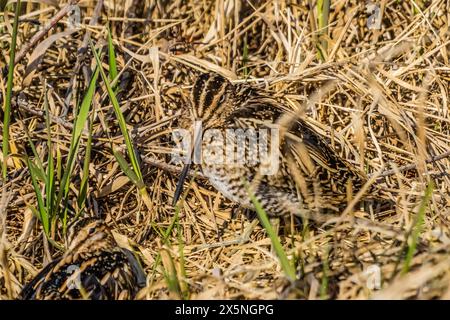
(94, 267)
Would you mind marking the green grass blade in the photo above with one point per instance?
(80, 121)
(83, 112)
(112, 60)
(128, 170)
(123, 128)
(58, 164)
(326, 271)
(183, 284)
(84, 180)
(42, 212)
(33, 149)
(9, 86)
(171, 275)
(120, 118)
(284, 261)
(50, 182)
(323, 12)
(418, 227)
(165, 239)
(165, 234)
(39, 167)
(245, 56)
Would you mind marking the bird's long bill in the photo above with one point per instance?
(180, 184)
(192, 154)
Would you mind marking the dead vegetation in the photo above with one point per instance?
(385, 108)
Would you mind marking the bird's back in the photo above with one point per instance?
(97, 270)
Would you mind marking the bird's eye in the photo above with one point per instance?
(222, 98)
(91, 230)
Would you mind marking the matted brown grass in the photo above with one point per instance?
(385, 106)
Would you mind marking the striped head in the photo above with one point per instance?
(212, 99)
(89, 235)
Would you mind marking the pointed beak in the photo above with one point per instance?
(180, 184)
(187, 166)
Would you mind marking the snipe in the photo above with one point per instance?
(94, 267)
(308, 172)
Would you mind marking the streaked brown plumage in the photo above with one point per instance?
(94, 267)
(311, 174)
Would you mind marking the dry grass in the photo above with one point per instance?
(381, 95)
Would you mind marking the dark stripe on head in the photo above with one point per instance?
(199, 87)
(214, 86)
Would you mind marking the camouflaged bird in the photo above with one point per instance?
(310, 174)
(94, 267)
